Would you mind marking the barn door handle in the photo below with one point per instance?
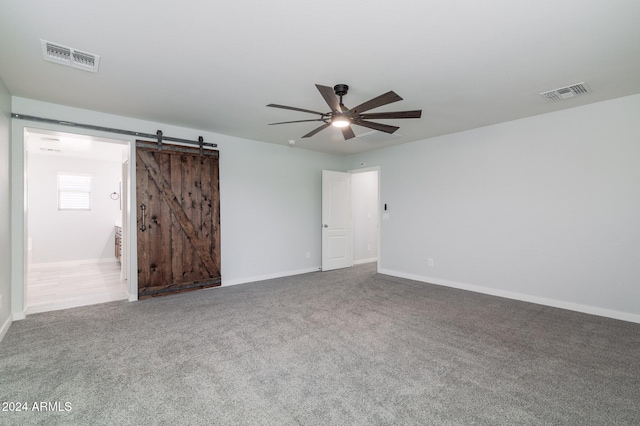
(143, 208)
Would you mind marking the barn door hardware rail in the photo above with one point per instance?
(159, 136)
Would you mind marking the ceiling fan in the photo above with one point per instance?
(342, 117)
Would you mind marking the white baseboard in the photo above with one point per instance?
(586, 309)
(5, 327)
(268, 276)
(363, 261)
(18, 316)
(73, 262)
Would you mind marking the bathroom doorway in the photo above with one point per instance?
(75, 192)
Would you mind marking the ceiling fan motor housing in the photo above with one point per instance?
(341, 89)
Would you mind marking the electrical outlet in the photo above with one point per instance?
(430, 261)
(368, 247)
(308, 255)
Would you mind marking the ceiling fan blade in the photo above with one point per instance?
(330, 97)
(393, 114)
(296, 121)
(294, 109)
(347, 132)
(384, 99)
(313, 132)
(377, 126)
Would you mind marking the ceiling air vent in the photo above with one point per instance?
(70, 57)
(566, 92)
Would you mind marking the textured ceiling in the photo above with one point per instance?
(214, 65)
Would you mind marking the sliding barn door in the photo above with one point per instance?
(178, 219)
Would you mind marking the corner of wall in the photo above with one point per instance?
(5, 325)
(5, 193)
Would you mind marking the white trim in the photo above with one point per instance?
(268, 276)
(5, 327)
(19, 316)
(75, 302)
(361, 261)
(592, 310)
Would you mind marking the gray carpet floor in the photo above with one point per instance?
(346, 347)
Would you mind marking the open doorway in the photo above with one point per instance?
(350, 218)
(74, 220)
(365, 211)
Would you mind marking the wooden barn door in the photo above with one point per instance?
(178, 219)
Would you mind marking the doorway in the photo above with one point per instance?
(350, 218)
(75, 209)
(365, 215)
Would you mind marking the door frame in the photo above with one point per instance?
(19, 249)
(379, 215)
(379, 222)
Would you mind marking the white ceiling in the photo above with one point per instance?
(59, 144)
(214, 65)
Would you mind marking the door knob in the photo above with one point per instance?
(326, 226)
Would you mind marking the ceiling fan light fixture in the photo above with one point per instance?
(343, 118)
(340, 120)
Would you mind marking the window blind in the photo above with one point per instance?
(74, 191)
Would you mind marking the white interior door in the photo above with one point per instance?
(337, 237)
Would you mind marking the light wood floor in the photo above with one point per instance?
(67, 285)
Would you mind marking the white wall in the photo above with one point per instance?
(58, 236)
(364, 211)
(545, 209)
(270, 209)
(270, 195)
(5, 245)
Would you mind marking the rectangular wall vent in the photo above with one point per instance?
(70, 57)
(566, 92)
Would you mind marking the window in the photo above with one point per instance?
(74, 191)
